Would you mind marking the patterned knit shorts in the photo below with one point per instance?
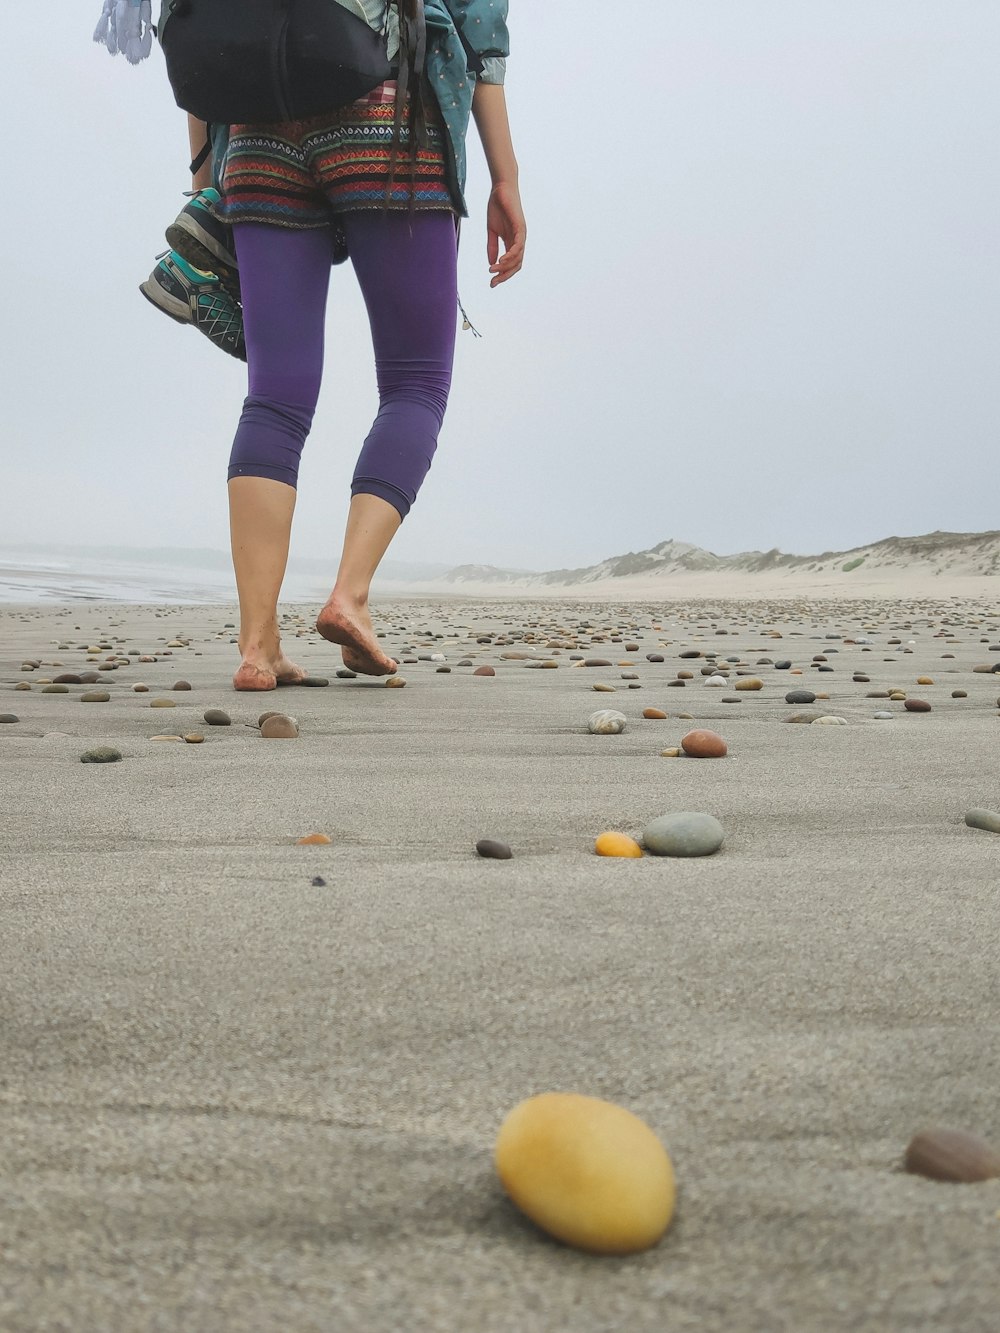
(301, 173)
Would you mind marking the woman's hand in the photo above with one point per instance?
(505, 222)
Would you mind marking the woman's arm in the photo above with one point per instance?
(504, 215)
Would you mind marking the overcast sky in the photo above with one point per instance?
(761, 303)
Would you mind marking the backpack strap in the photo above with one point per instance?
(203, 156)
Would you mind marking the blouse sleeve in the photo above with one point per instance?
(494, 70)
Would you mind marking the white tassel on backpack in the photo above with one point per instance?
(126, 28)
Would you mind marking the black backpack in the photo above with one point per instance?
(264, 61)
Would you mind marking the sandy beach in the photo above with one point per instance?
(250, 1085)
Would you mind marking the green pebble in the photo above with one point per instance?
(103, 754)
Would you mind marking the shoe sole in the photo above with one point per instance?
(170, 305)
(203, 251)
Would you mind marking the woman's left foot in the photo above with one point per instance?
(258, 673)
(349, 624)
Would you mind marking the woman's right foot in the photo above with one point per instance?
(260, 672)
(348, 623)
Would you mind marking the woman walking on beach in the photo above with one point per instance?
(296, 195)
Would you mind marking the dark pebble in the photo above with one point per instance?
(800, 697)
(318, 882)
(181, 685)
(9, 717)
(917, 706)
(103, 754)
(344, 674)
(215, 717)
(495, 851)
(67, 678)
(314, 682)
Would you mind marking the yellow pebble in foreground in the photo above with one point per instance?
(616, 844)
(590, 1173)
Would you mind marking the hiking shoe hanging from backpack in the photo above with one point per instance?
(198, 236)
(194, 297)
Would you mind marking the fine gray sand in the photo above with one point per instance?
(234, 1099)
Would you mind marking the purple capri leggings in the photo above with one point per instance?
(406, 266)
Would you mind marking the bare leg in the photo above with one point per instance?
(260, 521)
(197, 132)
(371, 525)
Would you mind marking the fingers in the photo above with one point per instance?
(506, 266)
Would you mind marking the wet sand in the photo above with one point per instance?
(234, 1099)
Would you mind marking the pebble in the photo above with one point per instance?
(315, 682)
(166, 738)
(657, 713)
(194, 738)
(314, 840)
(917, 706)
(803, 717)
(493, 850)
(102, 754)
(279, 727)
(395, 682)
(587, 1172)
(952, 1155)
(829, 720)
(163, 703)
(616, 844)
(139, 688)
(215, 717)
(716, 681)
(882, 716)
(22, 685)
(67, 678)
(9, 717)
(685, 833)
(924, 680)
(345, 674)
(318, 882)
(55, 689)
(606, 722)
(597, 662)
(95, 697)
(984, 819)
(604, 689)
(750, 683)
(704, 744)
(800, 697)
(959, 694)
(484, 671)
(672, 752)
(181, 685)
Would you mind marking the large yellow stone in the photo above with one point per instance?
(616, 844)
(589, 1173)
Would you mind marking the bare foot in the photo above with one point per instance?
(350, 625)
(258, 672)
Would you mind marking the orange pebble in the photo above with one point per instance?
(616, 844)
(701, 744)
(656, 713)
(314, 840)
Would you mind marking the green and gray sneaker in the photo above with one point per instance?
(205, 242)
(193, 297)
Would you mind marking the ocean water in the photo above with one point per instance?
(90, 574)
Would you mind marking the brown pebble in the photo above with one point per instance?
(95, 697)
(655, 713)
(750, 684)
(953, 1155)
(181, 685)
(924, 680)
(961, 694)
(917, 706)
(314, 840)
(139, 688)
(604, 689)
(163, 703)
(395, 682)
(67, 678)
(704, 744)
(194, 738)
(672, 752)
(279, 727)
(484, 671)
